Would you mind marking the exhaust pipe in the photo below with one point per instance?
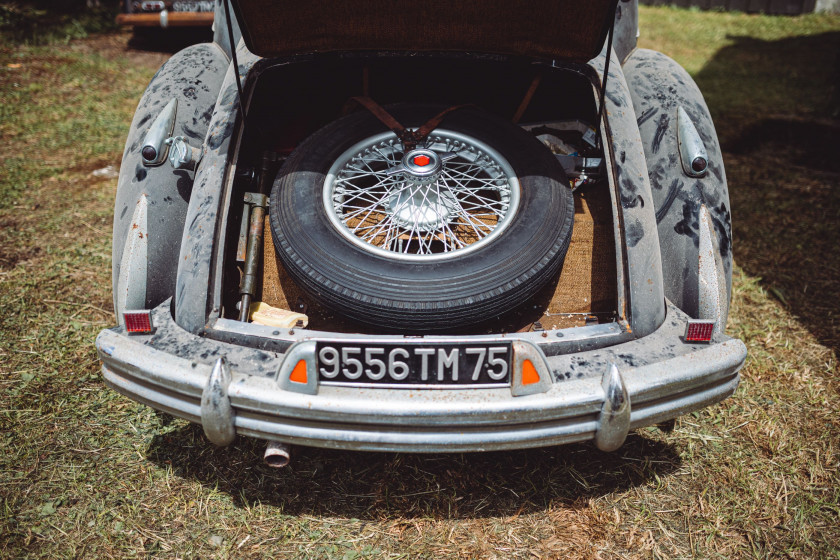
(277, 454)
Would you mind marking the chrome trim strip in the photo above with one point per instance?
(713, 304)
(131, 283)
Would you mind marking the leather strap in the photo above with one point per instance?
(409, 138)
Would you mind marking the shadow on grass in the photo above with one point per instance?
(172, 40)
(371, 486)
(777, 111)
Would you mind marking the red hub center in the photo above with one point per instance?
(422, 161)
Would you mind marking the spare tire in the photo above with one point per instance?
(467, 226)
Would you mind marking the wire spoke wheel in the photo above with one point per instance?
(376, 201)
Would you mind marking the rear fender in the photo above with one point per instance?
(692, 213)
(151, 202)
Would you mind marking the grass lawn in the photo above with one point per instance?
(85, 472)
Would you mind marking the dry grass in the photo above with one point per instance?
(88, 473)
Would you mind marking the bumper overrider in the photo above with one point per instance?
(595, 395)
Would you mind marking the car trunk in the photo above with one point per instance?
(563, 105)
(567, 30)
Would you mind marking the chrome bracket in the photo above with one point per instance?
(131, 282)
(217, 417)
(614, 419)
(155, 148)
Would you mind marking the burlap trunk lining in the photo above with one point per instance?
(586, 285)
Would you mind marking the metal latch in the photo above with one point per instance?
(181, 154)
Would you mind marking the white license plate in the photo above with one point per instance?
(414, 364)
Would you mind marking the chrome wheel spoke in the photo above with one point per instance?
(388, 203)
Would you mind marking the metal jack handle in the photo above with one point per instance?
(248, 286)
(254, 216)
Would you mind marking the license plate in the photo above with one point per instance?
(409, 365)
(195, 6)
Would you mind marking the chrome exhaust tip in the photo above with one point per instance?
(277, 454)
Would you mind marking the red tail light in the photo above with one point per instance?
(138, 321)
(699, 331)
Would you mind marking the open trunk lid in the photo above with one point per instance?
(572, 30)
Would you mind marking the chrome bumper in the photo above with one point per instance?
(655, 378)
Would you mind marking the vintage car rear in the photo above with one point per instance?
(403, 227)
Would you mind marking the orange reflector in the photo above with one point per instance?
(299, 373)
(529, 373)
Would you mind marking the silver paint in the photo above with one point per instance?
(659, 86)
(637, 243)
(209, 204)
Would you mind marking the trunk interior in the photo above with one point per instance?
(291, 100)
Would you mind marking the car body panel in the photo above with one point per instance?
(553, 29)
(659, 88)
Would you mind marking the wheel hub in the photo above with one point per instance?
(422, 167)
(423, 208)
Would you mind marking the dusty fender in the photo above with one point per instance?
(151, 202)
(692, 212)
